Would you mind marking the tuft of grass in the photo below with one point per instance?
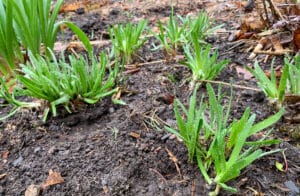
(219, 146)
(274, 91)
(30, 25)
(202, 63)
(293, 86)
(189, 122)
(126, 40)
(62, 83)
(171, 36)
(9, 48)
(202, 26)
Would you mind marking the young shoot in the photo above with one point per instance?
(222, 149)
(126, 40)
(62, 83)
(274, 91)
(202, 63)
(293, 86)
(171, 36)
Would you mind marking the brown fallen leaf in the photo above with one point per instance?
(296, 39)
(53, 178)
(33, 190)
(252, 24)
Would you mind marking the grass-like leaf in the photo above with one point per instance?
(275, 92)
(62, 83)
(202, 63)
(126, 40)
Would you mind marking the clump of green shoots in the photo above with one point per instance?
(30, 25)
(9, 47)
(171, 36)
(219, 146)
(274, 91)
(202, 26)
(9, 97)
(189, 129)
(202, 63)
(126, 40)
(62, 83)
(293, 86)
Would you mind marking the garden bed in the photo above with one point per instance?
(108, 149)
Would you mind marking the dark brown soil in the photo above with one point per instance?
(107, 149)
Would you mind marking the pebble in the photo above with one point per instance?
(111, 110)
(150, 135)
(52, 150)
(18, 161)
(37, 149)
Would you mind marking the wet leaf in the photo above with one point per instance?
(296, 39)
(53, 179)
(279, 166)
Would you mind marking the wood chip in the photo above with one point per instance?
(135, 135)
(2, 176)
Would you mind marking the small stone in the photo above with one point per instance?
(150, 135)
(32, 190)
(52, 150)
(37, 149)
(111, 110)
(64, 153)
(18, 161)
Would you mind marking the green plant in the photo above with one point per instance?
(219, 146)
(126, 40)
(30, 25)
(201, 26)
(10, 99)
(293, 85)
(171, 36)
(9, 48)
(230, 151)
(189, 129)
(203, 65)
(62, 83)
(270, 86)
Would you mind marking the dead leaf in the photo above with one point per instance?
(33, 190)
(53, 178)
(252, 24)
(296, 39)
